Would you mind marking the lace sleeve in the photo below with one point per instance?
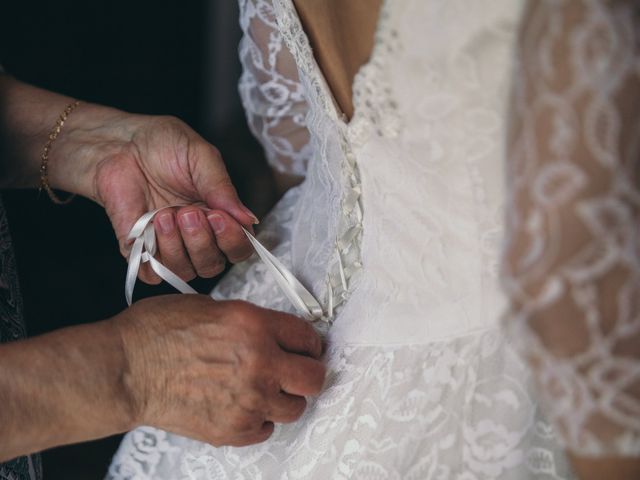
(270, 89)
(572, 261)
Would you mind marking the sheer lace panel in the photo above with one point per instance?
(572, 264)
(271, 91)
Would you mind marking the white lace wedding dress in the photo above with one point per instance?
(397, 231)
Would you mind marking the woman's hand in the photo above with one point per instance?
(132, 164)
(219, 372)
(129, 164)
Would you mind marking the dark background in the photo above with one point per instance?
(154, 57)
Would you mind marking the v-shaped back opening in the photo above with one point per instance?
(342, 37)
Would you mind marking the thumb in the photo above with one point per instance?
(214, 187)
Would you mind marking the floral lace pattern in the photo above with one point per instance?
(573, 260)
(422, 383)
(436, 414)
(271, 92)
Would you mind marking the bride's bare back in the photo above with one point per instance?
(342, 36)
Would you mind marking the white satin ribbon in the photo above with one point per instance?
(298, 295)
(143, 250)
(145, 247)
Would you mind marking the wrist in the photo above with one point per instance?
(120, 405)
(133, 390)
(91, 134)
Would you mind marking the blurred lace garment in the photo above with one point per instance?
(12, 328)
(397, 230)
(573, 259)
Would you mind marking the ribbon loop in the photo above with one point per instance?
(145, 247)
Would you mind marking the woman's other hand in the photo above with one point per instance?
(131, 164)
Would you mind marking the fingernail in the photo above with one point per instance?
(217, 223)
(165, 223)
(250, 213)
(189, 221)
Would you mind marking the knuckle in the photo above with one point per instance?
(271, 385)
(235, 443)
(254, 402)
(247, 315)
(312, 339)
(214, 152)
(187, 274)
(263, 436)
(179, 265)
(298, 406)
(238, 310)
(317, 376)
(171, 122)
(253, 439)
(211, 268)
(241, 422)
(311, 377)
(211, 155)
(171, 247)
(302, 406)
(149, 278)
(251, 323)
(125, 248)
(217, 442)
(240, 254)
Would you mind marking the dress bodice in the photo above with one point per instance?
(423, 154)
(427, 142)
(396, 231)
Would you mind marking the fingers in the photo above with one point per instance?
(229, 236)
(295, 335)
(172, 251)
(147, 275)
(204, 433)
(266, 430)
(301, 375)
(286, 408)
(188, 247)
(199, 242)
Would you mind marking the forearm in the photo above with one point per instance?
(27, 115)
(61, 388)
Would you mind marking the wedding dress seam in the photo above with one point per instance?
(373, 109)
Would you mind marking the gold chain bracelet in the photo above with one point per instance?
(44, 174)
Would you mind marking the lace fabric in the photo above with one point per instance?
(394, 413)
(421, 383)
(271, 92)
(572, 264)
